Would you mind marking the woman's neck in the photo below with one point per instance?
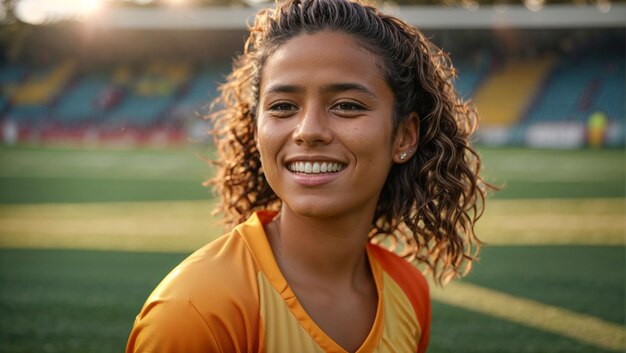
(329, 250)
(325, 264)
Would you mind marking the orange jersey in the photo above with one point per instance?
(230, 296)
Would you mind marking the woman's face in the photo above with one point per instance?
(325, 125)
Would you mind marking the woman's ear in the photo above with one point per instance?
(407, 139)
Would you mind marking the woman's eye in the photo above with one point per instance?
(349, 106)
(283, 106)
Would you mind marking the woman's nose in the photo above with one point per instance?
(313, 127)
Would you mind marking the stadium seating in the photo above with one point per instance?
(610, 97)
(510, 94)
(149, 94)
(32, 97)
(11, 74)
(43, 85)
(470, 74)
(580, 86)
(79, 104)
(139, 111)
(201, 90)
(506, 93)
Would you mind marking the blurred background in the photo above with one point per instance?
(103, 153)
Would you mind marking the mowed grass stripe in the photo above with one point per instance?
(183, 165)
(585, 328)
(505, 165)
(131, 226)
(536, 173)
(187, 225)
(554, 222)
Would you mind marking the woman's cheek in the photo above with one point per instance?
(269, 144)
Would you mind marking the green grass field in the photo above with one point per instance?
(85, 235)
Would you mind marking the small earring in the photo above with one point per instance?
(403, 155)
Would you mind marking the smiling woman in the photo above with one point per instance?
(339, 130)
(324, 101)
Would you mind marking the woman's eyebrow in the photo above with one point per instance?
(329, 88)
(347, 86)
(281, 88)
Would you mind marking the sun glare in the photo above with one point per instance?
(175, 2)
(42, 11)
(90, 7)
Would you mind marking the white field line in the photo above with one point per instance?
(584, 328)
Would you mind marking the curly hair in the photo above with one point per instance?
(429, 205)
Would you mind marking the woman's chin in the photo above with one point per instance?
(314, 209)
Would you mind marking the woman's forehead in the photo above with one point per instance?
(320, 59)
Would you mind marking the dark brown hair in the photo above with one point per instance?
(429, 205)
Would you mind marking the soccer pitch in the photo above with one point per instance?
(85, 235)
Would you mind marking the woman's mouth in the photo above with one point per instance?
(315, 167)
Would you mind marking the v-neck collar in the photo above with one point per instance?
(256, 239)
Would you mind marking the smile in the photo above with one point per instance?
(315, 167)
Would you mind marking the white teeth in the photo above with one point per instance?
(315, 167)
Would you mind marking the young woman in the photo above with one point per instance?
(339, 130)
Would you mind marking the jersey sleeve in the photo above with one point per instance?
(171, 326)
(208, 303)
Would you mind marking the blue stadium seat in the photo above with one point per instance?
(610, 97)
(28, 114)
(77, 105)
(578, 87)
(11, 74)
(202, 90)
(470, 75)
(139, 111)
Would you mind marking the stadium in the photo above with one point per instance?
(105, 142)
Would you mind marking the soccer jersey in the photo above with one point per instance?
(230, 296)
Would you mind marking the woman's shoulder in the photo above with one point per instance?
(188, 309)
(225, 264)
(223, 271)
